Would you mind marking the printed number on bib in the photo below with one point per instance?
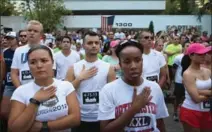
(26, 75)
(90, 97)
(152, 78)
(205, 105)
(9, 77)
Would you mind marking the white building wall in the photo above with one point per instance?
(15, 22)
(115, 4)
(161, 22)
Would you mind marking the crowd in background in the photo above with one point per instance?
(162, 55)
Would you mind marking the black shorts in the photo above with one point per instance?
(87, 127)
(179, 90)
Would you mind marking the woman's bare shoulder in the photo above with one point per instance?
(188, 74)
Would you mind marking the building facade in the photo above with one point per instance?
(115, 7)
(161, 22)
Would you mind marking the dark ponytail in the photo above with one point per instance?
(185, 63)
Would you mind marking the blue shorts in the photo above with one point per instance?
(8, 91)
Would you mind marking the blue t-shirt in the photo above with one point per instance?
(8, 57)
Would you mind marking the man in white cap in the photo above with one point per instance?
(8, 85)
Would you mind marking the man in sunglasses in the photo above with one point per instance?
(22, 37)
(154, 63)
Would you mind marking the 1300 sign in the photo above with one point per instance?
(124, 24)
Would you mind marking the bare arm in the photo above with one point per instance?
(71, 78)
(84, 74)
(118, 124)
(73, 117)
(167, 74)
(111, 75)
(21, 116)
(15, 77)
(2, 68)
(207, 92)
(190, 85)
(161, 125)
(162, 80)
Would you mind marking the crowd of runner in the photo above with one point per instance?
(104, 81)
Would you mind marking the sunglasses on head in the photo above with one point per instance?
(148, 37)
(128, 41)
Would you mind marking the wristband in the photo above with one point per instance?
(45, 127)
(34, 101)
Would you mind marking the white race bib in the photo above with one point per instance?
(205, 105)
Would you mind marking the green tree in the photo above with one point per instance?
(48, 12)
(206, 8)
(151, 27)
(180, 7)
(7, 8)
(171, 7)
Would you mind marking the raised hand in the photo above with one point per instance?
(85, 74)
(142, 99)
(45, 94)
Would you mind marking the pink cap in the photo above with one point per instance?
(209, 48)
(196, 48)
(114, 43)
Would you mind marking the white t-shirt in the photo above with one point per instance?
(88, 91)
(51, 109)
(20, 62)
(63, 63)
(178, 74)
(152, 64)
(116, 98)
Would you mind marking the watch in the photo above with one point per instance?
(45, 127)
(34, 101)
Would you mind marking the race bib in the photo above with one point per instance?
(90, 97)
(205, 105)
(152, 78)
(26, 75)
(51, 102)
(9, 77)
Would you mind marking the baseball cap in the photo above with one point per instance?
(11, 35)
(114, 43)
(209, 48)
(197, 48)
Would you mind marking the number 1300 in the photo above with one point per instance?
(124, 24)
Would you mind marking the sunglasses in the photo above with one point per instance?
(128, 41)
(23, 36)
(148, 37)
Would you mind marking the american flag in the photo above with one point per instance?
(107, 23)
